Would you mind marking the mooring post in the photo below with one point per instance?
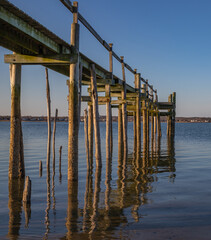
(96, 117)
(48, 120)
(169, 118)
(73, 121)
(173, 112)
(86, 138)
(16, 159)
(124, 111)
(90, 132)
(54, 133)
(120, 135)
(138, 118)
(144, 114)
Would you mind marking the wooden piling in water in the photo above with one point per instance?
(173, 113)
(138, 117)
(169, 118)
(86, 138)
(90, 133)
(73, 121)
(40, 168)
(120, 135)
(124, 111)
(96, 117)
(48, 119)
(155, 115)
(60, 162)
(27, 191)
(54, 133)
(111, 72)
(108, 122)
(16, 159)
(144, 114)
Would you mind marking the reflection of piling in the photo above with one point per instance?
(96, 198)
(72, 209)
(15, 204)
(16, 160)
(27, 200)
(87, 201)
(134, 133)
(47, 221)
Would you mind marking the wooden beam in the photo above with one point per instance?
(57, 59)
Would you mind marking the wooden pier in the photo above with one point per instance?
(33, 44)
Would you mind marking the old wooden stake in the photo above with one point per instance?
(73, 121)
(54, 133)
(27, 191)
(96, 117)
(40, 168)
(48, 119)
(60, 162)
(16, 160)
(90, 133)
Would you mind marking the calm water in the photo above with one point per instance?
(168, 197)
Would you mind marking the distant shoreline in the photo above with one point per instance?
(103, 119)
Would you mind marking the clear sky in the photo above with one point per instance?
(168, 41)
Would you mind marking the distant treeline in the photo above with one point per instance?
(103, 119)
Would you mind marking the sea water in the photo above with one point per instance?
(167, 196)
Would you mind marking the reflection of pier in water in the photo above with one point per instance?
(133, 184)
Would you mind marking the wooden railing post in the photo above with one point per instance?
(16, 159)
(73, 121)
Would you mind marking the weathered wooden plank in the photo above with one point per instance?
(58, 59)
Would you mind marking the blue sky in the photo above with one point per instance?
(168, 41)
